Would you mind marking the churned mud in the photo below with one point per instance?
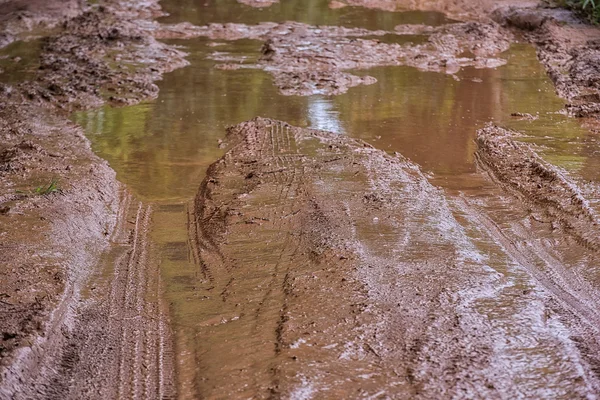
(21, 17)
(331, 269)
(568, 48)
(325, 268)
(307, 60)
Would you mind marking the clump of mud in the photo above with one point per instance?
(19, 17)
(307, 60)
(461, 10)
(101, 56)
(518, 167)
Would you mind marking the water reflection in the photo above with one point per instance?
(161, 149)
(323, 115)
(314, 12)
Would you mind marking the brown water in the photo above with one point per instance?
(162, 149)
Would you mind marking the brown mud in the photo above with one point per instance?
(330, 269)
(20, 17)
(258, 3)
(570, 51)
(326, 268)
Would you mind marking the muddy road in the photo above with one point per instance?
(375, 237)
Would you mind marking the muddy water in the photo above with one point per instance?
(19, 61)
(162, 149)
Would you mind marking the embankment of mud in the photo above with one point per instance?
(518, 167)
(568, 48)
(63, 209)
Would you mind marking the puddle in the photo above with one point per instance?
(161, 149)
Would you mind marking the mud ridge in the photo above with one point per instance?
(518, 167)
(568, 48)
(295, 220)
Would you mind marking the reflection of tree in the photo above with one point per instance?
(314, 12)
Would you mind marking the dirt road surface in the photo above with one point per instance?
(326, 268)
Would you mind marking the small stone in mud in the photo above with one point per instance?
(525, 116)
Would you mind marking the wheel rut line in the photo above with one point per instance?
(569, 300)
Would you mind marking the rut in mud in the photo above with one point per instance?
(117, 344)
(330, 269)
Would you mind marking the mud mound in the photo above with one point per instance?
(329, 269)
(517, 166)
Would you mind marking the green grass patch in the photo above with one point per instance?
(42, 190)
(49, 188)
(589, 8)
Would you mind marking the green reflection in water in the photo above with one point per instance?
(19, 61)
(314, 12)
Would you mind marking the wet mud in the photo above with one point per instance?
(323, 267)
(568, 48)
(19, 18)
(331, 269)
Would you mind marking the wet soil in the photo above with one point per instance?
(570, 51)
(61, 208)
(519, 167)
(489, 292)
